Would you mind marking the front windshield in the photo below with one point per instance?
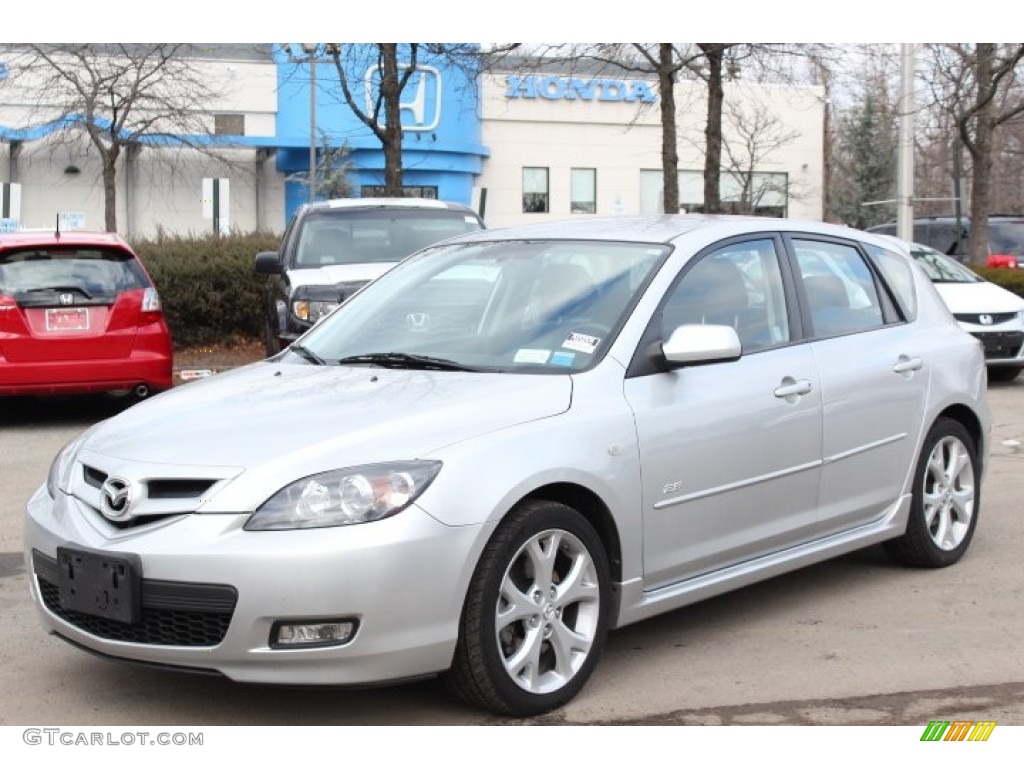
(528, 306)
(373, 235)
(942, 269)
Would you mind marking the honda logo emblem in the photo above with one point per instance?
(116, 497)
(66, 298)
(420, 107)
(985, 319)
(418, 321)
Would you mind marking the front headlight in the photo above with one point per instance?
(345, 496)
(60, 469)
(313, 311)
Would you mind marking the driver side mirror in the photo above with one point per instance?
(699, 344)
(267, 263)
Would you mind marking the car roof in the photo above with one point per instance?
(49, 238)
(389, 202)
(658, 229)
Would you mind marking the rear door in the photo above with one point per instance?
(69, 303)
(874, 380)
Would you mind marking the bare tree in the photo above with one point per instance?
(978, 86)
(376, 100)
(752, 136)
(334, 170)
(117, 95)
(711, 63)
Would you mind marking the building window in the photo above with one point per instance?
(535, 190)
(757, 193)
(229, 125)
(583, 190)
(377, 190)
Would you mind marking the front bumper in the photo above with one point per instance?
(403, 579)
(1003, 343)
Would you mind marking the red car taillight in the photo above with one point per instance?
(151, 311)
(8, 312)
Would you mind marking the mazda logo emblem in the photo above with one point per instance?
(66, 298)
(117, 497)
(985, 319)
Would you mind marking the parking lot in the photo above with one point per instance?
(858, 640)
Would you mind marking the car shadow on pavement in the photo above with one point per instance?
(44, 411)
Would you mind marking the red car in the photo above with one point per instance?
(79, 313)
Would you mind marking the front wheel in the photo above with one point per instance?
(946, 495)
(536, 615)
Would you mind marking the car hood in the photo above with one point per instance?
(270, 423)
(971, 298)
(339, 273)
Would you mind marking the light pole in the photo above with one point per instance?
(905, 175)
(310, 50)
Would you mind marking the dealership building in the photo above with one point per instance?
(517, 147)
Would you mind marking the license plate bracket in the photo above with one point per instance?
(100, 584)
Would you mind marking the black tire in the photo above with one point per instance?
(481, 672)
(1002, 373)
(270, 340)
(943, 510)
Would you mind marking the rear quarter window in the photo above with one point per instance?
(898, 276)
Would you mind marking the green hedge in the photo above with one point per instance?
(1010, 279)
(209, 291)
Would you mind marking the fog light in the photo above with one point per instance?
(311, 634)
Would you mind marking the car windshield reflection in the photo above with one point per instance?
(501, 306)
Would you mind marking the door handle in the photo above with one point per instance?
(791, 388)
(908, 364)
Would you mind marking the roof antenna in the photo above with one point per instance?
(56, 234)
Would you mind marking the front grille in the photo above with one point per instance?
(161, 488)
(1003, 345)
(93, 476)
(173, 612)
(992, 318)
(187, 488)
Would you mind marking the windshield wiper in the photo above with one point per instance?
(405, 360)
(59, 288)
(307, 354)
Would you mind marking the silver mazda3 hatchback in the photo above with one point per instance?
(514, 442)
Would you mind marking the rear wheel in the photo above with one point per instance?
(536, 615)
(946, 494)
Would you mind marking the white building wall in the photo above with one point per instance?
(160, 188)
(621, 138)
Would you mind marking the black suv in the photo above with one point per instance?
(331, 249)
(1005, 233)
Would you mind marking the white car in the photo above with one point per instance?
(990, 313)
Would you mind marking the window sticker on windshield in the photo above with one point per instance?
(469, 219)
(539, 356)
(562, 358)
(580, 342)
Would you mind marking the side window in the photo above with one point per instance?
(739, 285)
(897, 273)
(840, 288)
